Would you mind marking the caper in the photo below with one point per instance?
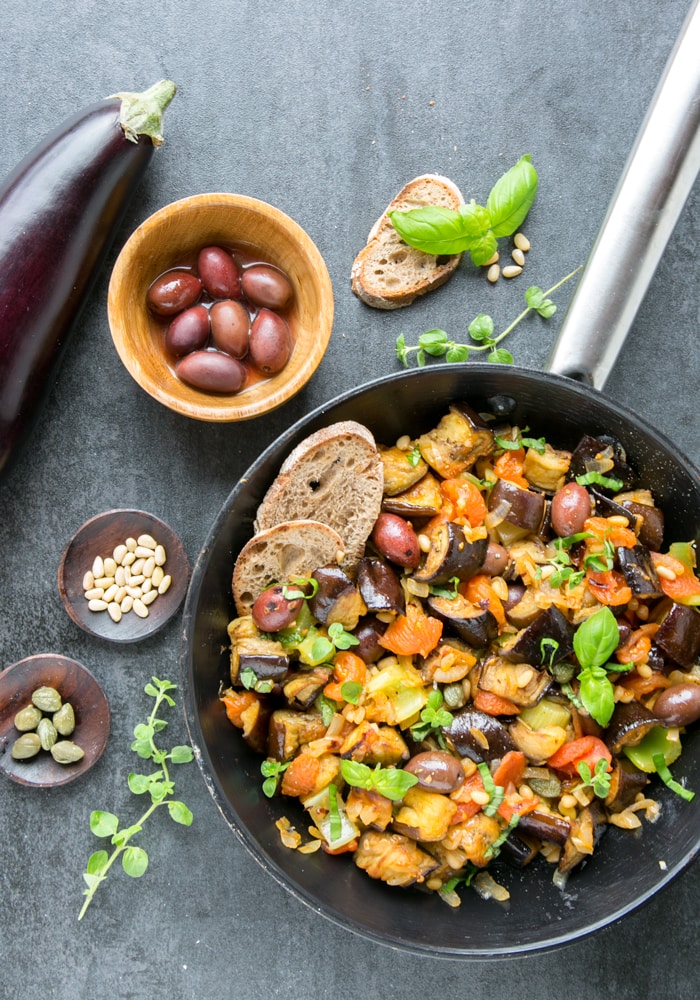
(64, 719)
(46, 731)
(47, 699)
(66, 752)
(26, 746)
(27, 719)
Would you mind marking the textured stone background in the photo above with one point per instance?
(325, 110)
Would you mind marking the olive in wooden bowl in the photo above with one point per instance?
(60, 691)
(123, 575)
(220, 307)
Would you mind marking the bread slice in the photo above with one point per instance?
(335, 476)
(387, 273)
(279, 555)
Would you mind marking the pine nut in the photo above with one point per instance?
(149, 597)
(141, 552)
(147, 585)
(147, 541)
(119, 553)
(120, 594)
(127, 604)
(131, 544)
(665, 573)
(97, 605)
(140, 608)
(104, 581)
(165, 584)
(137, 567)
(521, 242)
(120, 576)
(129, 559)
(98, 567)
(160, 555)
(114, 612)
(134, 592)
(110, 566)
(424, 543)
(88, 580)
(492, 260)
(499, 587)
(519, 257)
(493, 273)
(136, 579)
(403, 444)
(109, 593)
(149, 566)
(94, 593)
(512, 271)
(157, 577)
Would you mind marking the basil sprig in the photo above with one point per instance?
(471, 227)
(391, 782)
(595, 640)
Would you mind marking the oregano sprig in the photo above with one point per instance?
(437, 343)
(158, 784)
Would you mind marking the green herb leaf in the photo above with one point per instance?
(481, 328)
(457, 353)
(597, 479)
(180, 813)
(340, 638)
(135, 861)
(494, 849)
(336, 821)
(433, 229)
(596, 639)
(272, 770)
(103, 824)
(449, 593)
(547, 643)
(139, 783)
(663, 771)
(326, 707)
(512, 196)
(495, 792)
(351, 691)
(391, 782)
(97, 863)
(597, 694)
(501, 357)
(414, 456)
(181, 754)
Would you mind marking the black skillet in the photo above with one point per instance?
(629, 868)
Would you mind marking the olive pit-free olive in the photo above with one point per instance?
(571, 506)
(266, 286)
(396, 540)
(270, 342)
(211, 371)
(188, 331)
(174, 291)
(273, 611)
(679, 705)
(230, 327)
(436, 770)
(219, 272)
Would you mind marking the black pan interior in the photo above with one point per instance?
(628, 868)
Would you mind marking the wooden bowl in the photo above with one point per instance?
(76, 685)
(173, 236)
(99, 537)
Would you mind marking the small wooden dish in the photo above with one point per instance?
(175, 234)
(99, 537)
(76, 685)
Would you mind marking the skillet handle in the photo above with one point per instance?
(657, 179)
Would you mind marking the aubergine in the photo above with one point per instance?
(474, 625)
(379, 586)
(629, 724)
(60, 210)
(337, 598)
(604, 455)
(638, 569)
(547, 640)
(650, 522)
(626, 781)
(478, 736)
(522, 508)
(451, 555)
(679, 633)
(368, 632)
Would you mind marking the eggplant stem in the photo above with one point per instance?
(142, 114)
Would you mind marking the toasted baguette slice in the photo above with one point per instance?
(281, 554)
(335, 476)
(388, 274)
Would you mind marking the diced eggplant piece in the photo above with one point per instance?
(679, 633)
(379, 586)
(373, 744)
(606, 506)
(252, 651)
(424, 816)
(401, 472)
(370, 809)
(425, 499)
(521, 608)
(451, 555)
(639, 572)
(505, 679)
(301, 690)
(289, 730)
(586, 831)
(626, 781)
(538, 745)
(547, 470)
(475, 626)
(629, 724)
(337, 598)
(249, 712)
(650, 519)
(529, 648)
(369, 631)
(605, 455)
(394, 859)
(524, 509)
(545, 826)
(478, 736)
(456, 443)
(518, 852)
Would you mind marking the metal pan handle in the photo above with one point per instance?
(656, 181)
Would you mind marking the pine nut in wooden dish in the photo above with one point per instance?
(144, 575)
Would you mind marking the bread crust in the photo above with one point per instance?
(335, 476)
(387, 273)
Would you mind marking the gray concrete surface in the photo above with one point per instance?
(325, 110)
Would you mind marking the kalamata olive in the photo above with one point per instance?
(272, 611)
(496, 561)
(396, 540)
(173, 291)
(230, 327)
(219, 272)
(188, 331)
(679, 705)
(516, 592)
(571, 505)
(265, 285)
(436, 770)
(270, 342)
(212, 371)
(368, 633)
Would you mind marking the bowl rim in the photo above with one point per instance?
(210, 407)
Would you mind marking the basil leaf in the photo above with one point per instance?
(476, 221)
(392, 782)
(598, 479)
(512, 196)
(432, 229)
(356, 774)
(597, 694)
(596, 639)
(483, 248)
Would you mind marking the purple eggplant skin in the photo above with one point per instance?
(60, 210)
